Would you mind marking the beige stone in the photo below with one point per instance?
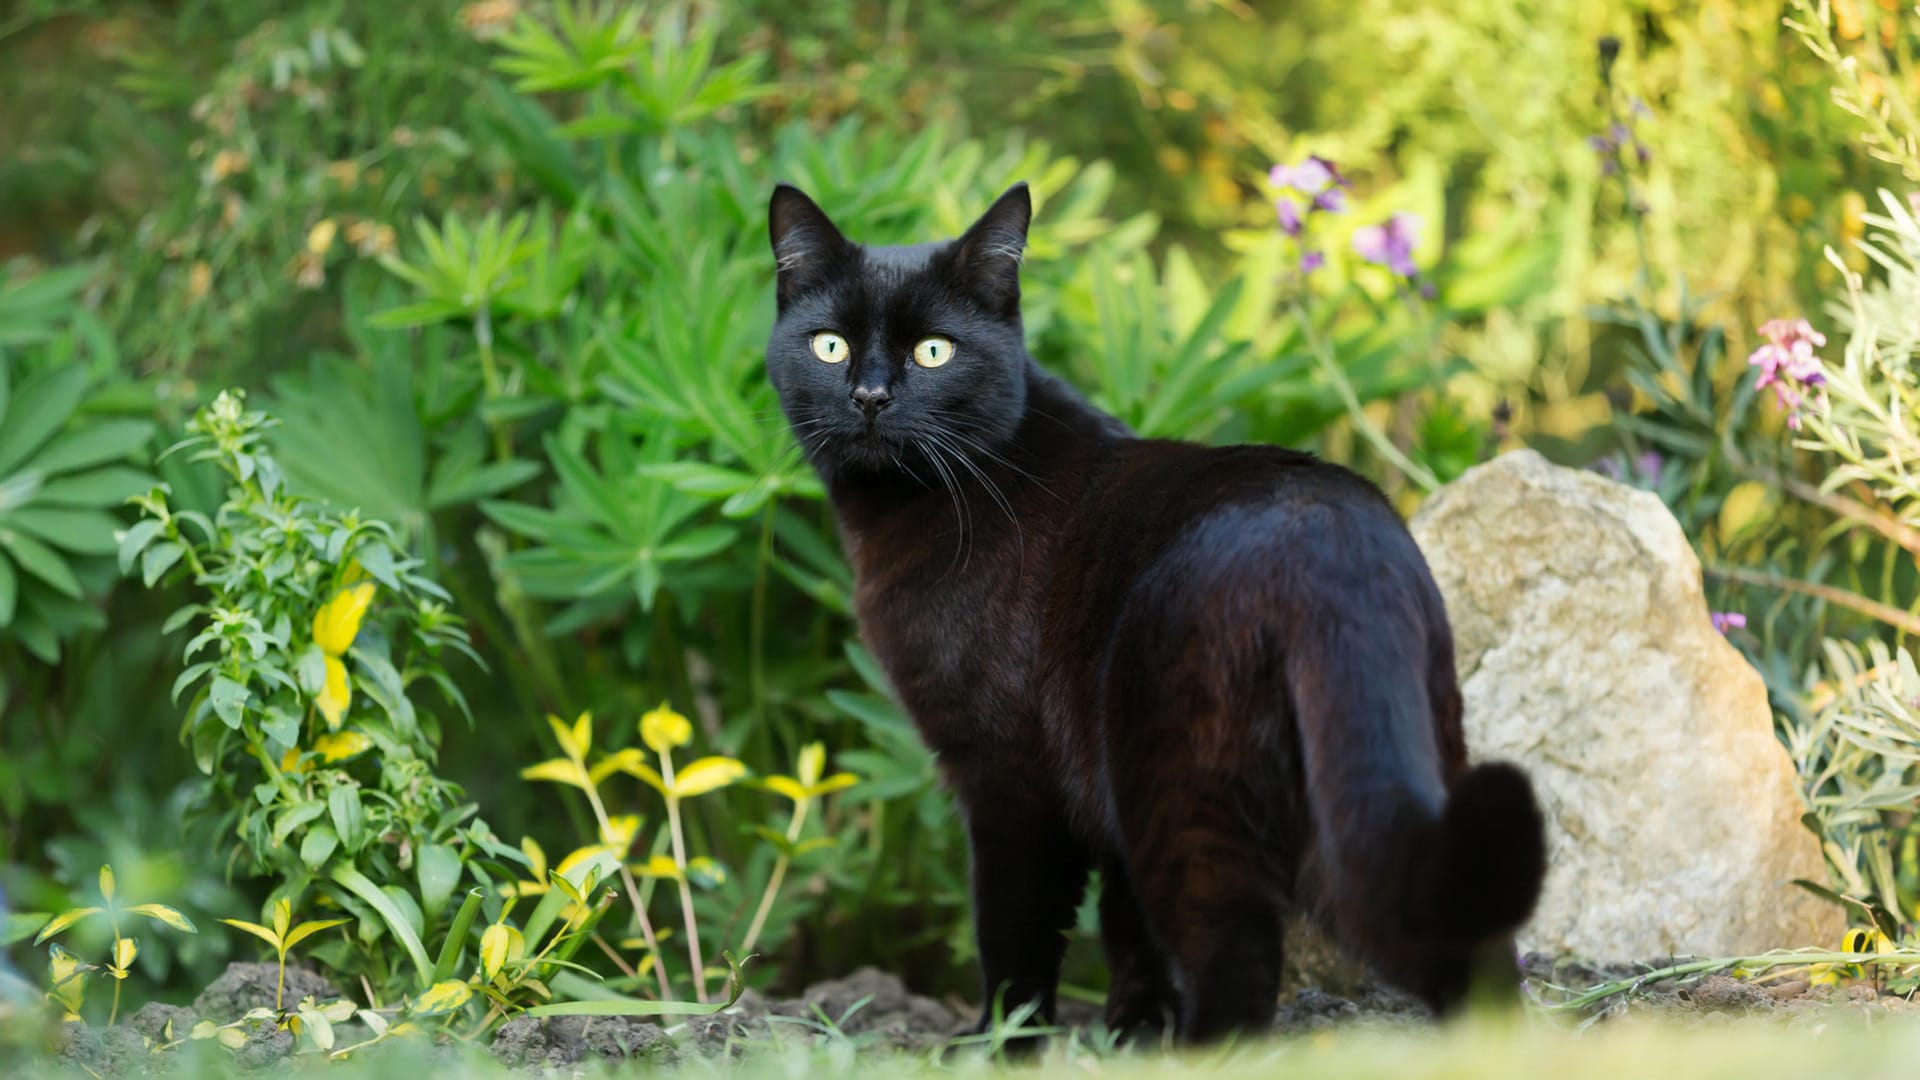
(1586, 656)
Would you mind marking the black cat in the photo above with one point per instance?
(1221, 676)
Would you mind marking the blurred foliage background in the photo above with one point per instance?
(499, 268)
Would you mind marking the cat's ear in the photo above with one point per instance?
(805, 242)
(988, 256)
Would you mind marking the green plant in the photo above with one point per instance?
(282, 936)
(324, 773)
(62, 468)
(69, 973)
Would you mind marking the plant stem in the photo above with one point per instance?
(1414, 471)
(1873, 609)
(633, 894)
(757, 621)
(686, 891)
(490, 376)
(774, 880)
(1701, 967)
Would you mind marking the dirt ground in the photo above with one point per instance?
(876, 1010)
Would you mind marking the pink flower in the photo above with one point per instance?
(1727, 620)
(1291, 222)
(1390, 245)
(1787, 364)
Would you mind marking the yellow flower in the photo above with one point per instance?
(663, 729)
(337, 622)
(336, 694)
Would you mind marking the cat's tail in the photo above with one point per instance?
(1414, 870)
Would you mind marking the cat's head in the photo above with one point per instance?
(884, 356)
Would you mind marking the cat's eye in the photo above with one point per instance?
(933, 351)
(830, 346)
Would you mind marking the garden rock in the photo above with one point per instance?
(251, 986)
(529, 1042)
(885, 1009)
(152, 1020)
(1586, 656)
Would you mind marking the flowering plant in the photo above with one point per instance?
(312, 647)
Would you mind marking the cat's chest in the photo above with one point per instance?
(957, 641)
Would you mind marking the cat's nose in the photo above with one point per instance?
(871, 399)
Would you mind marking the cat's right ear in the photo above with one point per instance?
(805, 243)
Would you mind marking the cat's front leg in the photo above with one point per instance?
(1028, 876)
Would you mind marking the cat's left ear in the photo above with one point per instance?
(988, 256)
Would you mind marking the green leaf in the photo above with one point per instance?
(158, 559)
(296, 817)
(636, 1007)
(9, 592)
(229, 700)
(86, 532)
(357, 883)
(439, 869)
(319, 845)
(457, 936)
(94, 444)
(136, 541)
(261, 932)
(40, 560)
(39, 407)
(110, 486)
(19, 925)
(343, 804)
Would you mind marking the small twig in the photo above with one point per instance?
(1873, 609)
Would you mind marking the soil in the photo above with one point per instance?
(874, 1009)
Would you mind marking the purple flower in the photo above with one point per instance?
(1310, 177)
(1787, 364)
(1651, 465)
(1291, 222)
(1312, 260)
(1727, 620)
(1332, 200)
(1391, 244)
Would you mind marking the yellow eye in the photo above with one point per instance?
(933, 351)
(830, 346)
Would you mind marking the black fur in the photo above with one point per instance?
(1221, 676)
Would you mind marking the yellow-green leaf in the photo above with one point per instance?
(68, 978)
(813, 762)
(559, 771)
(660, 866)
(161, 913)
(499, 943)
(560, 882)
(619, 831)
(535, 856)
(204, 1029)
(618, 761)
(319, 1028)
(575, 738)
(256, 930)
(338, 1012)
(282, 918)
(307, 929)
(335, 746)
(337, 622)
(442, 997)
(786, 786)
(231, 1037)
(706, 774)
(62, 921)
(106, 884)
(637, 768)
(336, 693)
(124, 951)
(1745, 505)
(836, 782)
(662, 729)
